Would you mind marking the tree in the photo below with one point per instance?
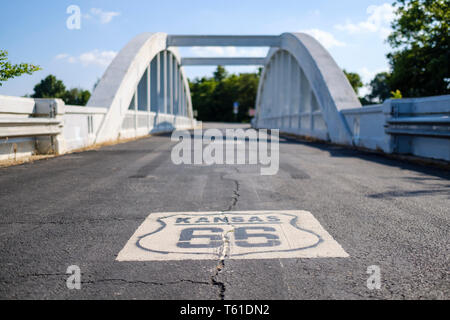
(220, 74)
(380, 87)
(201, 92)
(365, 101)
(421, 63)
(9, 71)
(213, 98)
(51, 87)
(76, 97)
(247, 90)
(355, 80)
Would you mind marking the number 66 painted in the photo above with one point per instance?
(215, 237)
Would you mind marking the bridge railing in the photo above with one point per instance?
(81, 125)
(419, 127)
(42, 126)
(19, 118)
(28, 127)
(367, 127)
(139, 123)
(47, 126)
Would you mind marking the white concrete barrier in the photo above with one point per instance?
(367, 127)
(81, 125)
(47, 126)
(419, 127)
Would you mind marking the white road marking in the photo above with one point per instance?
(230, 235)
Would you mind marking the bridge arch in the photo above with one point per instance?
(302, 90)
(144, 89)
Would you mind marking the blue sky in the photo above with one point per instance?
(354, 31)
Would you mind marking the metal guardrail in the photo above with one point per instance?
(420, 126)
(29, 127)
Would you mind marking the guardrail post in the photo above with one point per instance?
(389, 112)
(51, 108)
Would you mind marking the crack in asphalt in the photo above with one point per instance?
(236, 194)
(217, 283)
(146, 282)
(68, 222)
(42, 275)
(33, 275)
(235, 197)
(225, 249)
(109, 280)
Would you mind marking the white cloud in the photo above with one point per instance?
(103, 16)
(66, 57)
(95, 57)
(367, 76)
(62, 56)
(364, 91)
(325, 38)
(227, 52)
(378, 21)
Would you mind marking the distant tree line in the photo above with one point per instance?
(419, 66)
(213, 98)
(420, 60)
(379, 87)
(51, 87)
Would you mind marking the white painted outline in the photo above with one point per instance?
(156, 240)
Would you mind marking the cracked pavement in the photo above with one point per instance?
(81, 209)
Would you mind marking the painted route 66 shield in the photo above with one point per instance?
(232, 235)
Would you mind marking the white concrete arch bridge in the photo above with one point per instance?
(135, 224)
(302, 89)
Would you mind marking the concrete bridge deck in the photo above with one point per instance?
(81, 209)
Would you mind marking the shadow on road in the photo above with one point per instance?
(384, 159)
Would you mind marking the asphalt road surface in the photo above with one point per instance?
(82, 209)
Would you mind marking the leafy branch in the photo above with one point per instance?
(9, 71)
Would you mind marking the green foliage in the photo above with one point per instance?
(220, 74)
(421, 63)
(9, 71)
(214, 97)
(51, 87)
(380, 88)
(355, 80)
(76, 97)
(396, 94)
(365, 101)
